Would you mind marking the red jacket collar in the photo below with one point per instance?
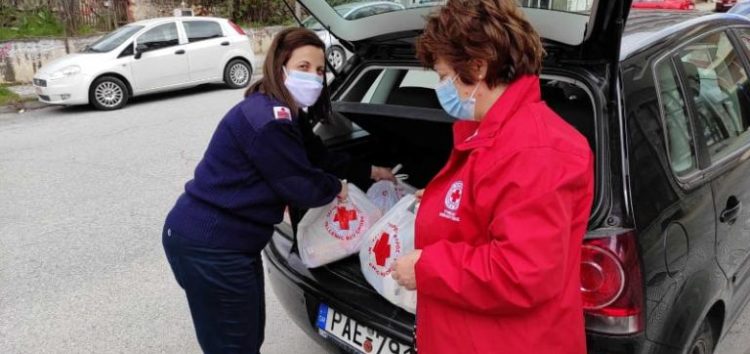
(468, 135)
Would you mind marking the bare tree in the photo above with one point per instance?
(69, 10)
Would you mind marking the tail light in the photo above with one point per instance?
(611, 284)
(237, 28)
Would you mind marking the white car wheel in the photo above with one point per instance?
(336, 57)
(237, 74)
(108, 93)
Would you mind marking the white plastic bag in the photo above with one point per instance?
(335, 231)
(389, 239)
(385, 194)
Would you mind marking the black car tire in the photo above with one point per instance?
(336, 56)
(108, 93)
(237, 74)
(704, 342)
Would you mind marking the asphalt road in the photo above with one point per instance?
(83, 195)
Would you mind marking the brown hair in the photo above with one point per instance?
(272, 83)
(493, 30)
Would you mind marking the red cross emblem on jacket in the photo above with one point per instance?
(456, 195)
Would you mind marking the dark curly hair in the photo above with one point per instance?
(493, 30)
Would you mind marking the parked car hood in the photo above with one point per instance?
(83, 60)
(591, 34)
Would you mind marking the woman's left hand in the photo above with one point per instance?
(403, 270)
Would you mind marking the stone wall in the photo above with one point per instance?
(20, 59)
(262, 37)
(146, 9)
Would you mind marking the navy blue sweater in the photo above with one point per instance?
(254, 166)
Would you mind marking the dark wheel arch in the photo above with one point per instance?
(117, 85)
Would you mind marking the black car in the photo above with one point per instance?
(665, 104)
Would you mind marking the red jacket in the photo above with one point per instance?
(500, 229)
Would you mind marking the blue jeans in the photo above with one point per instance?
(225, 292)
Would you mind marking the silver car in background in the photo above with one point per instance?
(335, 52)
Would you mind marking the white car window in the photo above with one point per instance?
(161, 36)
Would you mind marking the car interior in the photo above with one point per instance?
(399, 120)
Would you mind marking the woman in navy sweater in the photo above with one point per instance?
(263, 157)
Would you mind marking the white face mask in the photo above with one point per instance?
(304, 87)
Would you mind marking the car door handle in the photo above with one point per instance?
(225, 43)
(180, 52)
(731, 212)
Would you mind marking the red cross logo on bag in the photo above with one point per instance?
(382, 249)
(346, 223)
(344, 216)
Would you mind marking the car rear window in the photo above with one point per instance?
(202, 30)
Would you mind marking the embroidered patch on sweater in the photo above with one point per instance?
(282, 113)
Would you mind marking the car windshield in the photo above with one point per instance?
(113, 39)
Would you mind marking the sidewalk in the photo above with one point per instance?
(28, 97)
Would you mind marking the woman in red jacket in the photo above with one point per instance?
(499, 229)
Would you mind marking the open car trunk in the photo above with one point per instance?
(410, 128)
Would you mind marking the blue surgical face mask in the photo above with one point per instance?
(304, 87)
(452, 104)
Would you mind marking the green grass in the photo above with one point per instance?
(86, 30)
(33, 24)
(8, 96)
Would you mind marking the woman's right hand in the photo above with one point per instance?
(344, 194)
(419, 194)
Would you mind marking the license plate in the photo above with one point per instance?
(362, 339)
(38, 90)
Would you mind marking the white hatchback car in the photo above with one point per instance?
(147, 57)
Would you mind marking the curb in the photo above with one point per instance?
(24, 107)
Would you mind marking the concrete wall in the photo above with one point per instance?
(21, 59)
(145, 9)
(262, 37)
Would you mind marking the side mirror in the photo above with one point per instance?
(139, 50)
